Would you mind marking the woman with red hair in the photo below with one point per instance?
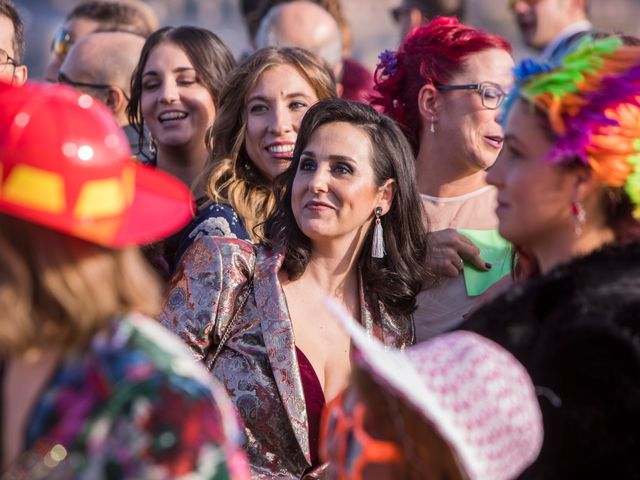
(445, 86)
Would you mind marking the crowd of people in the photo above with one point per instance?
(287, 266)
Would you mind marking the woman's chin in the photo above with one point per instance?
(317, 234)
(507, 233)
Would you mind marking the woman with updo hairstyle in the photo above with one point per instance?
(568, 186)
(445, 86)
(347, 223)
(252, 139)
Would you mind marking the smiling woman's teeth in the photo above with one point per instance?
(172, 116)
(280, 149)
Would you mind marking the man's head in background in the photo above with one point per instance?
(101, 64)
(412, 13)
(541, 21)
(12, 45)
(130, 16)
(303, 24)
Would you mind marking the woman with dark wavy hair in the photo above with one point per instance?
(347, 224)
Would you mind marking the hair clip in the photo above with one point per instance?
(389, 62)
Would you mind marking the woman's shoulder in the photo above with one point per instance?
(137, 340)
(224, 253)
(137, 390)
(138, 350)
(576, 332)
(214, 220)
(219, 219)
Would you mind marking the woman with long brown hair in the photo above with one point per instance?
(252, 139)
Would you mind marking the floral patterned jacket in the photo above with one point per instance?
(132, 405)
(258, 363)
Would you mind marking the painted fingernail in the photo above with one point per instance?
(488, 265)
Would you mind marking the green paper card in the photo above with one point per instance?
(493, 249)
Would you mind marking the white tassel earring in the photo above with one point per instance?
(377, 247)
(432, 129)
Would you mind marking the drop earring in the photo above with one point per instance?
(432, 129)
(579, 217)
(152, 145)
(377, 246)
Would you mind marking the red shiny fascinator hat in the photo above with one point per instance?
(65, 164)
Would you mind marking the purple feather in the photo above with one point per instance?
(613, 91)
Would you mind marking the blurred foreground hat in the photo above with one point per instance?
(478, 397)
(65, 164)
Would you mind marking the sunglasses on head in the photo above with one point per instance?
(61, 42)
(345, 441)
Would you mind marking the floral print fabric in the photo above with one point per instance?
(258, 364)
(133, 405)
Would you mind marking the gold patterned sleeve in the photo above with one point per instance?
(202, 294)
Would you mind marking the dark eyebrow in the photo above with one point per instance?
(175, 70)
(335, 158)
(265, 99)
(341, 158)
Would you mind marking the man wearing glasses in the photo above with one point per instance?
(411, 13)
(11, 45)
(98, 15)
(551, 26)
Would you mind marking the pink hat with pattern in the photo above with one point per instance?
(476, 394)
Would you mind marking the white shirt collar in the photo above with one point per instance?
(581, 26)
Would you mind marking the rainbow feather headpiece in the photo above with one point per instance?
(592, 100)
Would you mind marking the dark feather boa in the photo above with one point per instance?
(577, 331)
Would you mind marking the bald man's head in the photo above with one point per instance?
(103, 59)
(303, 24)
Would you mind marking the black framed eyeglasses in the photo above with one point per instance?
(62, 78)
(492, 94)
(62, 41)
(6, 60)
